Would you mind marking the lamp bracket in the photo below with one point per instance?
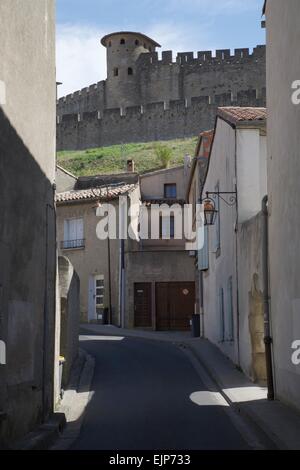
(229, 197)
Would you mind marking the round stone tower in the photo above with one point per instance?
(123, 50)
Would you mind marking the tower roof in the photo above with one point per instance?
(141, 35)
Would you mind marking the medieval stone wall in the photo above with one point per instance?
(171, 99)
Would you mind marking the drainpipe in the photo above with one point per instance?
(237, 257)
(266, 298)
(201, 305)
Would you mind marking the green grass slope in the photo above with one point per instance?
(113, 159)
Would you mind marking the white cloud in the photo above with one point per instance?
(80, 58)
(178, 38)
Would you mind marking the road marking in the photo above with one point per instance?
(100, 338)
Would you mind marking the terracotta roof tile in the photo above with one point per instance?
(94, 194)
(170, 202)
(237, 115)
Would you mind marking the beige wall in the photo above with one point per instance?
(154, 267)
(283, 68)
(152, 184)
(93, 258)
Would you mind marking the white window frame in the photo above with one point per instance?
(76, 240)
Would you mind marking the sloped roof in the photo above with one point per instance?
(103, 193)
(170, 202)
(96, 181)
(236, 115)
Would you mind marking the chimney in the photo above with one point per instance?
(130, 166)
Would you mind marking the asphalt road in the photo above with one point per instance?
(148, 395)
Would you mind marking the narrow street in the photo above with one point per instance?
(148, 395)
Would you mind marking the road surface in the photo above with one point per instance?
(150, 395)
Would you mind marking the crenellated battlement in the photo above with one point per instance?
(223, 99)
(154, 121)
(94, 88)
(203, 57)
(163, 97)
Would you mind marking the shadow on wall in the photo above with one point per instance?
(69, 285)
(27, 287)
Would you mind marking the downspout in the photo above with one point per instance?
(201, 305)
(266, 299)
(237, 258)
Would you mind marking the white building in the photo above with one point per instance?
(231, 258)
(283, 75)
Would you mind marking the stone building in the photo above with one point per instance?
(145, 283)
(97, 261)
(148, 98)
(27, 230)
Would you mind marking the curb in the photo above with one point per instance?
(266, 434)
(74, 404)
(45, 435)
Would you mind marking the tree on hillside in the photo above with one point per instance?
(164, 154)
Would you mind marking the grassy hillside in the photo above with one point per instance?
(113, 159)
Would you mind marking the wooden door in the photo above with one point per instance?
(175, 304)
(142, 305)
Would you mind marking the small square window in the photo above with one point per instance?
(170, 191)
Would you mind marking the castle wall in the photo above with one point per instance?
(169, 99)
(148, 123)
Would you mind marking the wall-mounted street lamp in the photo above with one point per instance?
(210, 211)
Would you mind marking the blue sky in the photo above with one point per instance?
(180, 25)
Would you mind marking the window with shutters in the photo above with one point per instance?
(73, 234)
(203, 254)
(167, 227)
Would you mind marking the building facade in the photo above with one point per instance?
(146, 98)
(283, 66)
(231, 259)
(28, 323)
(141, 282)
(96, 260)
(160, 281)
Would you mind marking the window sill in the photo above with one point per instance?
(79, 248)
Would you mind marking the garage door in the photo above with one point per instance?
(142, 305)
(175, 304)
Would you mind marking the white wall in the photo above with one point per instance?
(221, 265)
(251, 172)
(238, 158)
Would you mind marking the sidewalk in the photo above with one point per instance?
(278, 421)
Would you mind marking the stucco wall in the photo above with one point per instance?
(283, 68)
(251, 171)
(70, 313)
(159, 266)
(152, 184)
(27, 229)
(252, 351)
(222, 263)
(93, 258)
